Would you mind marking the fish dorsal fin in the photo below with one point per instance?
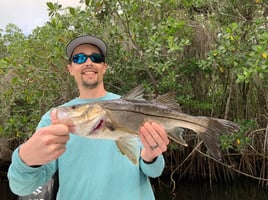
(168, 99)
(129, 147)
(136, 93)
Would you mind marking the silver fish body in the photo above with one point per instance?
(120, 120)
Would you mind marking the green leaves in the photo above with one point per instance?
(183, 46)
(53, 8)
(241, 140)
(72, 11)
(244, 54)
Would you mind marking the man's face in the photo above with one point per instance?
(88, 74)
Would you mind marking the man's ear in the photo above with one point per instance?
(69, 68)
(105, 67)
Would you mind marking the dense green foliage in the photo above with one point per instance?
(213, 54)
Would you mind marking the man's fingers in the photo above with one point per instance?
(144, 140)
(54, 129)
(149, 134)
(161, 132)
(157, 134)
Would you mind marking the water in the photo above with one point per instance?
(240, 190)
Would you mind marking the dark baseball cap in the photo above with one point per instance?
(85, 39)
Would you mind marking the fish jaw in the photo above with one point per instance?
(84, 120)
(93, 122)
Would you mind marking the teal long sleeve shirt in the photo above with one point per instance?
(89, 169)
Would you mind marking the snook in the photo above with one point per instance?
(120, 120)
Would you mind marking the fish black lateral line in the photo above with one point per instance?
(120, 120)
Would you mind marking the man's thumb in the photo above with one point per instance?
(53, 116)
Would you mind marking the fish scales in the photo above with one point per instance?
(160, 113)
(120, 120)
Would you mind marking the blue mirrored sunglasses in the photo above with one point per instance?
(82, 58)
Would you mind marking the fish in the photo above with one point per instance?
(120, 120)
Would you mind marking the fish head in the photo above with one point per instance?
(84, 120)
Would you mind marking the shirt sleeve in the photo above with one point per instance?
(154, 169)
(23, 179)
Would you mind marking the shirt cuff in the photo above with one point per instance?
(153, 169)
(20, 165)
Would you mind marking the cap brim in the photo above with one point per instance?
(85, 39)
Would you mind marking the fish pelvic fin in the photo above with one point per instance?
(175, 134)
(129, 147)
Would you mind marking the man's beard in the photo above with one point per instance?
(90, 85)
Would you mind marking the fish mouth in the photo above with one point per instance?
(61, 117)
(97, 126)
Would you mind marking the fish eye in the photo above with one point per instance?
(74, 107)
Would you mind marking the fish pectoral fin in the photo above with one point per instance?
(129, 147)
(176, 135)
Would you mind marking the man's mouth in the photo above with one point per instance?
(89, 73)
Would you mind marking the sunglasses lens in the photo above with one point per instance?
(79, 58)
(96, 58)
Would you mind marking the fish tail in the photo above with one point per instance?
(211, 137)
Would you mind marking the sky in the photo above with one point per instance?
(27, 14)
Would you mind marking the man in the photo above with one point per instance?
(88, 169)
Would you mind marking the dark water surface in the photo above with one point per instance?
(185, 190)
(239, 190)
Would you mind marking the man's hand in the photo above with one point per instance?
(46, 144)
(154, 139)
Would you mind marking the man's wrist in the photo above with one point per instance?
(21, 155)
(149, 162)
